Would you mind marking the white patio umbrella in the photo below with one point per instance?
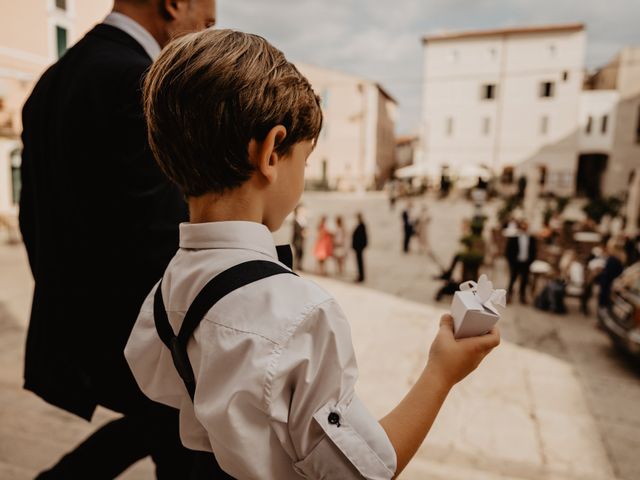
(633, 205)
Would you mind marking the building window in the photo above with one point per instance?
(638, 127)
(61, 40)
(61, 4)
(547, 89)
(453, 56)
(544, 125)
(449, 127)
(589, 126)
(565, 76)
(603, 124)
(6, 118)
(543, 175)
(488, 91)
(493, 53)
(507, 176)
(486, 126)
(16, 161)
(552, 50)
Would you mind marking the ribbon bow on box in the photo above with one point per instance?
(485, 293)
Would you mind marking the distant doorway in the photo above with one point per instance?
(591, 168)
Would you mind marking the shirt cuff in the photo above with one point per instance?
(355, 445)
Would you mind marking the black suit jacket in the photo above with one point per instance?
(513, 248)
(359, 238)
(98, 218)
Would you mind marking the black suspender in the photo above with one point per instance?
(218, 287)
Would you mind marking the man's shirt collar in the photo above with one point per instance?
(136, 31)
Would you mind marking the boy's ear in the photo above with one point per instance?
(263, 154)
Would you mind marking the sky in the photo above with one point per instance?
(381, 39)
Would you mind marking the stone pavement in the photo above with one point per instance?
(609, 383)
(33, 434)
(522, 415)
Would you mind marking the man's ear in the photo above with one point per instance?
(263, 154)
(173, 9)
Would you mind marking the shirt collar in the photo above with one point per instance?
(233, 235)
(135, 30)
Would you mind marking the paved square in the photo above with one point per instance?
(553, 402)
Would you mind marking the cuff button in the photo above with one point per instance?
(334, 419)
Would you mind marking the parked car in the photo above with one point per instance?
(622, 320)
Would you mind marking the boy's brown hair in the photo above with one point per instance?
(209, 94)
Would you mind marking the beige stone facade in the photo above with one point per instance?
(623, 76)
(355, 150)
(32, 35)
(506, 98)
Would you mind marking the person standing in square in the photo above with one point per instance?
(359, 243)
(408, 227)
(521, 252)
(299, 233)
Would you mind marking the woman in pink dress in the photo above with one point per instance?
(323, 248)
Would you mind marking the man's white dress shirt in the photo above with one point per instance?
(272, 361)
(523, 247)
(135, 30)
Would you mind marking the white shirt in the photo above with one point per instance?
(272, 360)
(135, 30)
(523, 247)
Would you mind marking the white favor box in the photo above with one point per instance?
(470, 317)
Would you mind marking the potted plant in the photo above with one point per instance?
(472, 257)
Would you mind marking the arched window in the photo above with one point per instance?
(16, 162)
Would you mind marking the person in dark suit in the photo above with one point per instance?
(613, 268)
(521, 251)
(299, 232)
(359, 243)
(407, 227)
(100, 222)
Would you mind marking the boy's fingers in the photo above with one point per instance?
(483, 342)
(446, 321)
(490, 340)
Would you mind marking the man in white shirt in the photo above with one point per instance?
(265, 375)
(100, 223)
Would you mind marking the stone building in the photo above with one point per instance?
(504, 99)
(615, 89)
(356, 147)
(33, 34)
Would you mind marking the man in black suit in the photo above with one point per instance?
(100, 223)
(359, 243)
(521, 252)
(407, 226)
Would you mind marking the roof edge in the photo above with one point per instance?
(565, 27)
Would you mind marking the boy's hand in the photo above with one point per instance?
(451, 360)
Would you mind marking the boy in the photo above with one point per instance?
(232, 123)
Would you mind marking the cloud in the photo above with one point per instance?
(380, 39)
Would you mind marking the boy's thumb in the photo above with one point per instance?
(446, 321)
